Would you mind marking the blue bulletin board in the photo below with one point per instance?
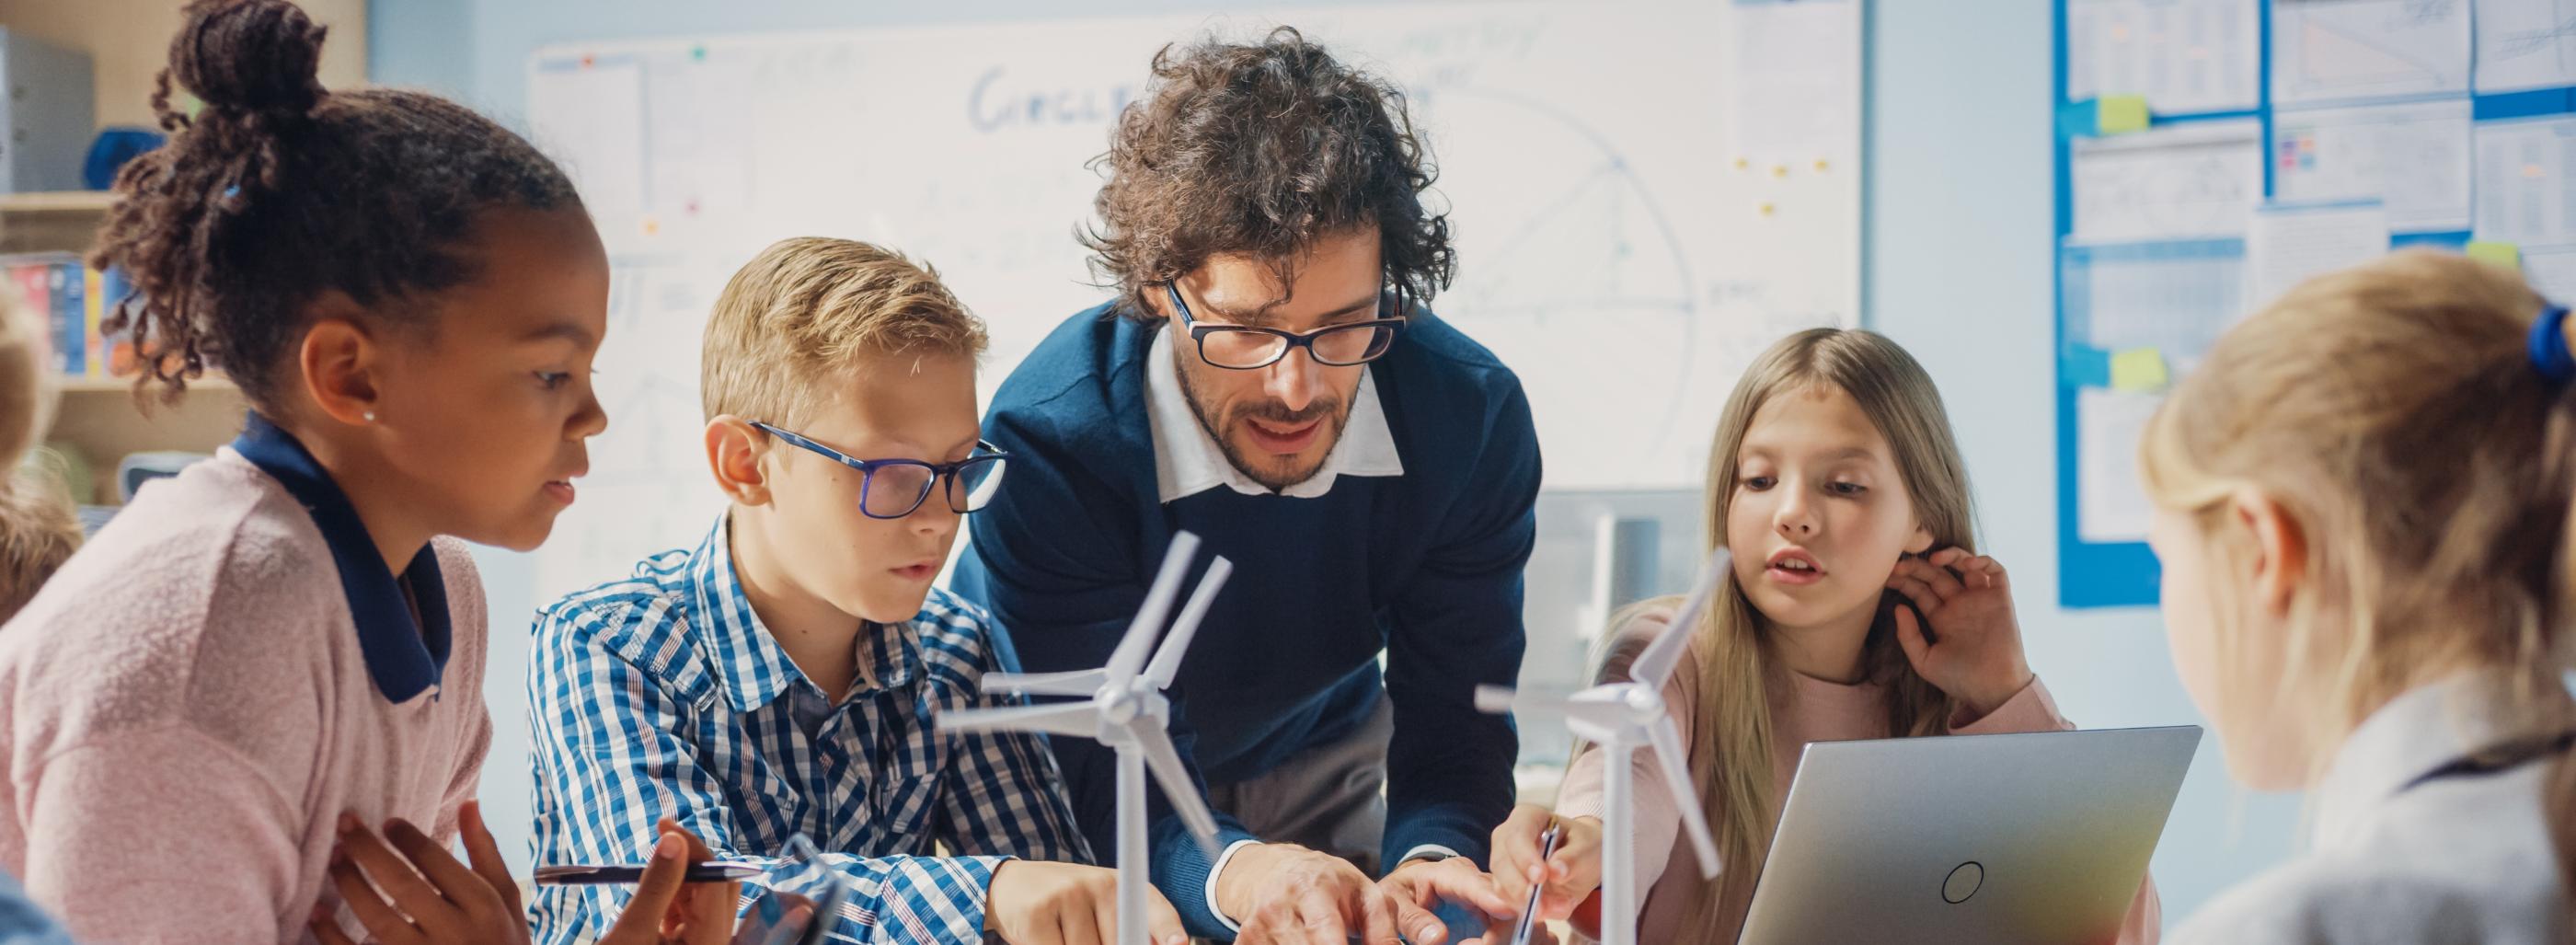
(2210, 153)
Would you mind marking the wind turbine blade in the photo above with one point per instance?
(1675, 763)
(1595, 711)
(1165, 762)
(1656, 664)
(1060, 718)
(1139, 641)
(1079, 682)
(1167, 659)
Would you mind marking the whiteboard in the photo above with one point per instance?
(1643, 195)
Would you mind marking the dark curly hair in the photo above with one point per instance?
(278, 191)
(1258, 149)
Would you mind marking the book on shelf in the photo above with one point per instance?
(75, 302)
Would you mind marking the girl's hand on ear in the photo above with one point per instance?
(1974, 649)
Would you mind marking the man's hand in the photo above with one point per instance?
(1035, 903)
(1284, 894)
(1418, 886)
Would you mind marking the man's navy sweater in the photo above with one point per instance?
(1424, 568)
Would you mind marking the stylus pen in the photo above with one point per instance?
(609, 875)
(1529, 910)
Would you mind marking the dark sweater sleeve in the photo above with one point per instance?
(1054, 558)
(1457, 625)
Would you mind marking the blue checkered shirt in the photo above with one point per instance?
(663, 696)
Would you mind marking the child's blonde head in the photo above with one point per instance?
(2391, 412)
(26, 393)
(38, 532)
(1731, 754)
(2416, 471)
(808, 308)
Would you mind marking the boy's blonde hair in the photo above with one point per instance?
(2393, 412)
(38, 529)
(1730, 754)
(26, 388)
(807, 308)
(38, 532)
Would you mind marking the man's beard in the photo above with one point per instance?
(1329, 408)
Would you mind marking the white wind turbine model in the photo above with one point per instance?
(1127, 712)
(1622, 717)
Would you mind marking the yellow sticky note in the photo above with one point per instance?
(2508, 255)
(2119, 114)
(2138, 369)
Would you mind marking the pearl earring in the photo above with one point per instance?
(370, 415)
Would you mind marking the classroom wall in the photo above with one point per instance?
(128, 42)
(1958, 269)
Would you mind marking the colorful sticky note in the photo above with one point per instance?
(2508, 255)
(2119, 114)
(2080, 366)
(2139, 369)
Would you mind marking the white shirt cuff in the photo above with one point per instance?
(1219, 870)
(1425, 851)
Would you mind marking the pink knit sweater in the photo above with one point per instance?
(185, 711)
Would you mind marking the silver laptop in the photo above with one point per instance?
(2039, 837)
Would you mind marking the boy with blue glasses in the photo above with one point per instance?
(781, 677)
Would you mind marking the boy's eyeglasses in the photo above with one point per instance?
(1245, 348)
(893, 488)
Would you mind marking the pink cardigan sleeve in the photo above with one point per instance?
(1657, 813)
(2034, 710)
(161, 836)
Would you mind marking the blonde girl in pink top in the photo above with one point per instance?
(1837, 485)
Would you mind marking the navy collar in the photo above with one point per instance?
(403, 657)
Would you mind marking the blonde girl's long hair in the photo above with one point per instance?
(1730, 752)
(2393, 411)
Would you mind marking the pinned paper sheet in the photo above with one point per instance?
(2111, 503)
(1795, 71)
(2175, 297)
(2139, 370)
(590, 118)
(2119, 114)
(2181, 55)
(2368, 49)
(2194, 181)
(2284, 246)
(2523, 44)
(2499, 253)
(2523, 190)
(2412, 156)
(2551, 269)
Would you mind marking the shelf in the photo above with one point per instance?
(125, 385)
(64, 221)
(66, 201)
